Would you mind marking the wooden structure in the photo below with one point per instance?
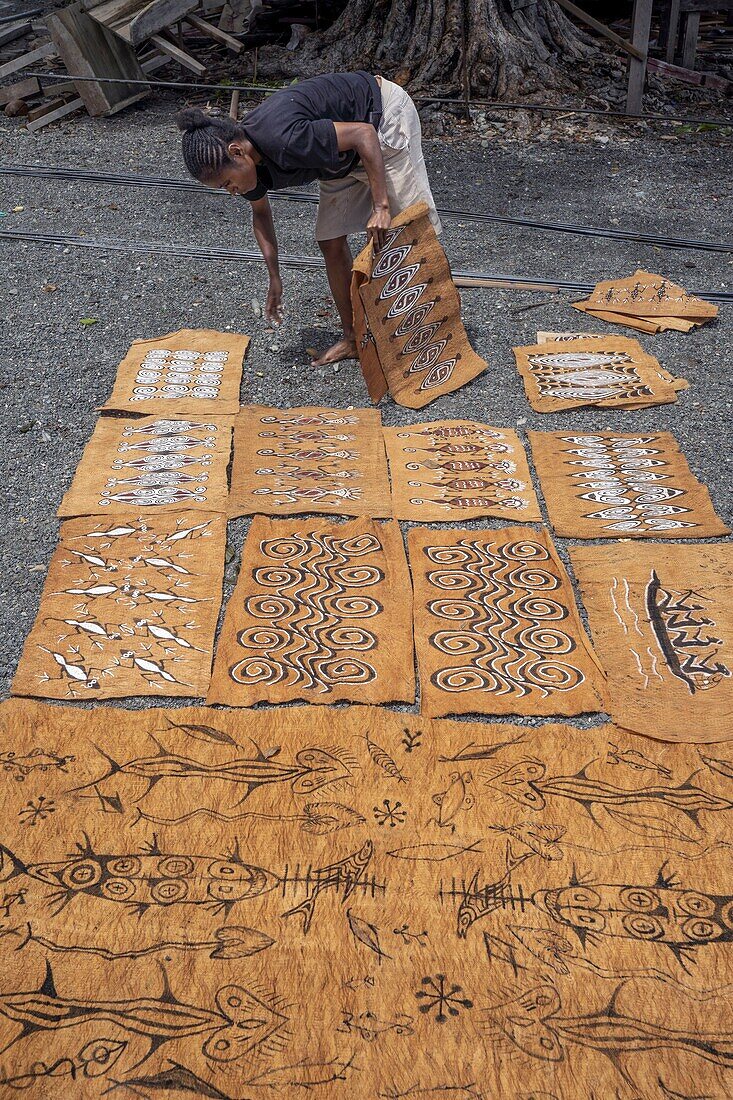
(680, 27)
(112, 41)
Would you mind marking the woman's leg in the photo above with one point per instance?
(339, 260)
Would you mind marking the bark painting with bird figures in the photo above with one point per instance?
(288, 461)
(194, 372)
(154, 464)
(129, 607)
(407, 316)
(459, 469)
(359, 903)
(322, 613)
(662, 623)
(496, 626)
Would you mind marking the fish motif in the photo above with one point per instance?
(343, 876)
(664, 913)
(532, 1021)
(454, 800)
(239, 1023)
(153, 878)
(313, 768)
(528, 784)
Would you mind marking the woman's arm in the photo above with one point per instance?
(264, 231)
(362, 138)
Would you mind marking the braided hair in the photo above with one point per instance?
(205, 142)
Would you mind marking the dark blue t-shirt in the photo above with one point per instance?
(294, 134)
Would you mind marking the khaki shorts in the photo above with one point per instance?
(345, 205)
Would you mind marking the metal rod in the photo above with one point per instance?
(163, 183)
(494, 104)
(251, 255)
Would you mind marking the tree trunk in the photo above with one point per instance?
(511, 48)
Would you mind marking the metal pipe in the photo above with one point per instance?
(238, 255)
(163, 183)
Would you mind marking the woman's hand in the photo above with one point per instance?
(273, 304)
(378, 225)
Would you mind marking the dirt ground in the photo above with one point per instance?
(56, 370)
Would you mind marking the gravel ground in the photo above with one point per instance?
(54, 371)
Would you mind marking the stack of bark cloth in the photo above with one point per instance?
(407, 316)
(648, 303)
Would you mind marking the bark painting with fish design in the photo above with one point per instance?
(357, 903)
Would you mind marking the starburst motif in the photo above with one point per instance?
(439, 995)
(389, 813)
(33, 812)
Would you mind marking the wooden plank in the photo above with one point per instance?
(669, 25)
(178, 55)
(13, 31)
(24, 89)
(46, 50)
(55, 116)
(45, 107)
(640, 26)
(674, 72)
(690, 31)
(152, 64)
(706, 5)
(89, 49)
(601, 29)
(155, 17)
(218, 35)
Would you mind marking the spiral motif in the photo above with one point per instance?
(257, 670)
(507, 635)
(356, 576)
(267, 638)
(283, 549)
(340, 670)
(361, 607)
(347, 637)
(450, 641)
(457, 610)
(269, 607)
(276, 578)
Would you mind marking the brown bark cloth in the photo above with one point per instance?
(321, 613)
(649, 297)
(309, 460)
(603, 485)
(662, 621)
(129, 607)
(615, 373)
(459, 469)
(632, 345)
(159, 465)
(355, 904)
(192, 371)
(407, 316)
(496, 626)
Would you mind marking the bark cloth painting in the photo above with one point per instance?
(129, 607)
(359, 904)
(605, 485)
(322, 612)
(192, 371)
(459, 469)
(662, 623)
(151, 463)
(496, 626)
(407, 316)
(309, 460)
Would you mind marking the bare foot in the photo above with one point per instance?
(344, 349)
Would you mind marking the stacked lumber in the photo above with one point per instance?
(647, 303)
(118, 40)
(284, 22)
